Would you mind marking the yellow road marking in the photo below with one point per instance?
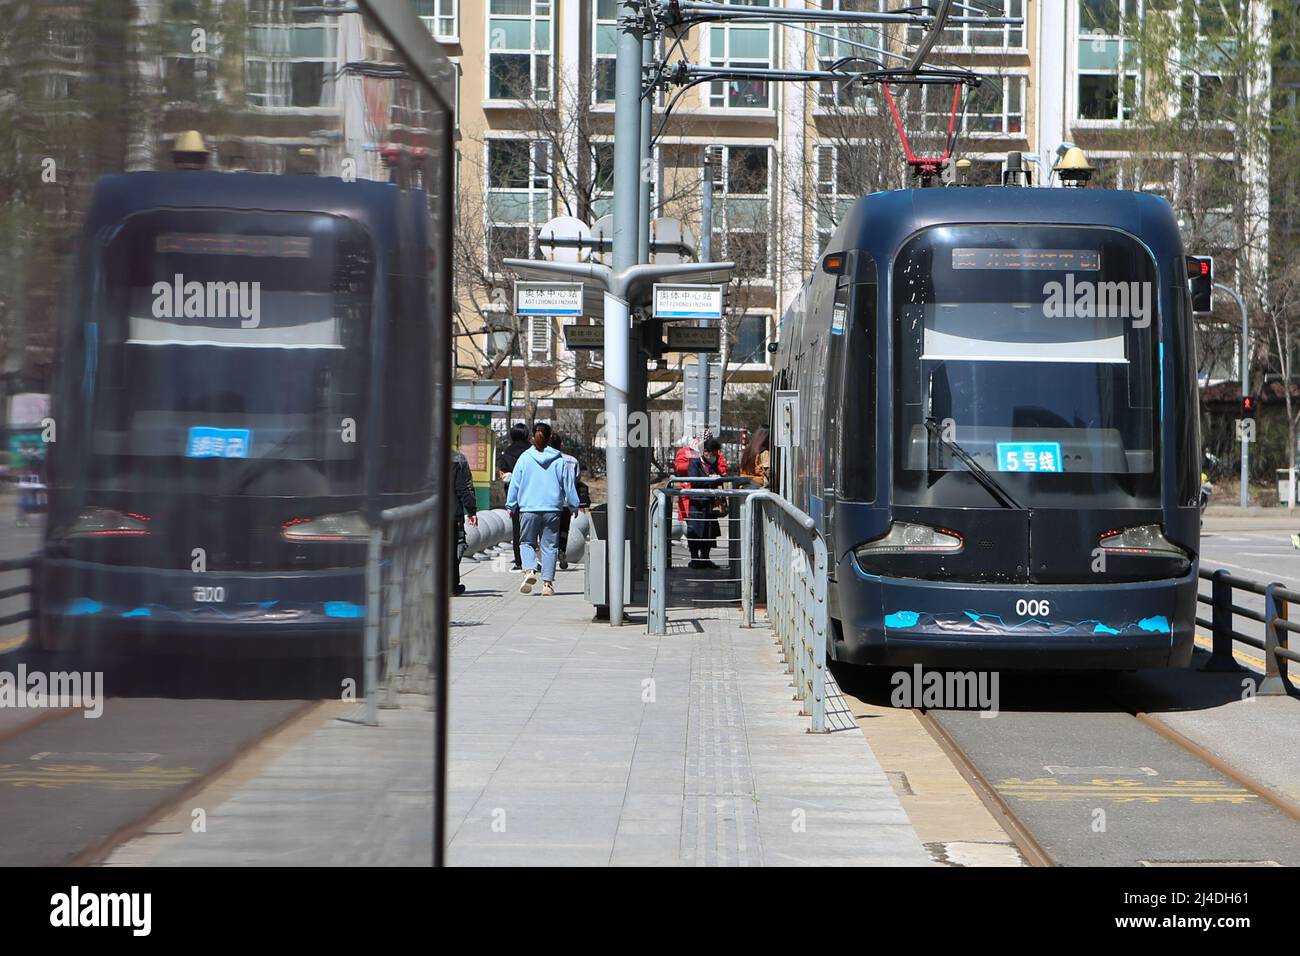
(58, 776)
(12, 643)
(1207, 644)
(1126, 790)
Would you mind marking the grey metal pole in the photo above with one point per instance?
(1245, 388)
(706, 252)
(618, 325)
(647, 157)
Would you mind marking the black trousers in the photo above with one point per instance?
(566, 516)
(514, 522)
(457, 548)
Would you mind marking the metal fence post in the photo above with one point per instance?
(374, 550)
(747, 561)
(1221, 658)
(657, 619)
(818, 689)
(1276, 681)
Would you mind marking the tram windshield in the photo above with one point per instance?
(1031, 349)
(227, 354)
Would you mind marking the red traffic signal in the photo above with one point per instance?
(1249, 405)
(1200, 282)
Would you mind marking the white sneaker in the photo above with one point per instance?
(530, 578)
(548, 589)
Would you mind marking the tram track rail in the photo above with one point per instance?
(1030, 840)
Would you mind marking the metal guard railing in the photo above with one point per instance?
(27, 564)
(399, 605)
(796, 567)
(661, 521)
(1275, 618)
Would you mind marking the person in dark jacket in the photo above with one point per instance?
(506, 461)
(466, 508)
(702, 522)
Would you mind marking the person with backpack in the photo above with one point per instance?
(541, 487)
(506, 461)
(584, 497)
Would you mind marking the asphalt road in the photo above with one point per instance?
(1265, 556)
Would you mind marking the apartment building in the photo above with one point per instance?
(535, 118)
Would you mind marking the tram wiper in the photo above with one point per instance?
(978, 471)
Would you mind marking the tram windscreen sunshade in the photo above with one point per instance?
(1013, 332)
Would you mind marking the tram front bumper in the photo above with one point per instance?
(86, 606)
(1118, 626)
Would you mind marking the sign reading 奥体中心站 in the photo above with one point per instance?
(688, 301)
(548, 298)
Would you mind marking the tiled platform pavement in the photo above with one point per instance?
(570, 743)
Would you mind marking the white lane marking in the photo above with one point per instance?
(1242, 567)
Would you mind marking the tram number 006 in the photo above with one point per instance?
(209, 595)
(1033, 608)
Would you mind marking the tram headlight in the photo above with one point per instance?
(96, 522)
(906, 537)
(345, 526)
(1147, 539)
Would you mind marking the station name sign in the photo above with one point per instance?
(676, 302)
(584, 336)
(693, 338)
(548, 298)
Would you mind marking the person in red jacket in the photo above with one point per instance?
(689, 451)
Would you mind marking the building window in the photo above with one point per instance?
(605, 51)
(1208, 40)
(832, 201)
(972, 36)
(996, 106)
(532, 342)
(441, 17)
(837, 41)
(750, 344)
(984, 172)
(539, 336)
(602, 180)
(1108, 79)
(291, 62)
(741, 221)
(519, 196)
(732, 45)
(519, 50)
(503, 325)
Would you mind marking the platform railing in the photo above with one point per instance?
(28, 564)
(664, 530)
(795, 565)
(399, 605)
(1275, 617)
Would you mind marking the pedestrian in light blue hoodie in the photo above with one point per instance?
(541, 487)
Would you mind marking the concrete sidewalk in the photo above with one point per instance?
(570, 743)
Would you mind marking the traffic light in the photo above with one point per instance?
(1249, 405)
(1200, 282)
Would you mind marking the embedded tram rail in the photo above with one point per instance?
(1087, 770)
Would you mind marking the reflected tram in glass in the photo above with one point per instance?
(244, 383)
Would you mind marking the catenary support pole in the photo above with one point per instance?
(618, 326)
(706, 255)
(638, 455)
